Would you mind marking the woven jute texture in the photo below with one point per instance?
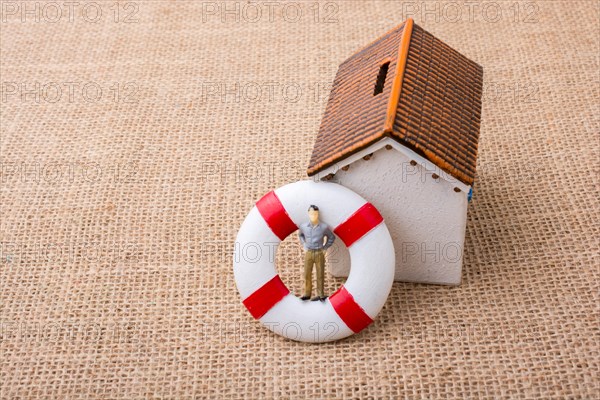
(120, 211)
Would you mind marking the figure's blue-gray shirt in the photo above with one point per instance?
(311, 235)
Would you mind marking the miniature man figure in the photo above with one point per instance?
(311, 236)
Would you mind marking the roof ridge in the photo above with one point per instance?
(399, 76)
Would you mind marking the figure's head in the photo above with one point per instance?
(313, 214)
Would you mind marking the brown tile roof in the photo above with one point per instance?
(430, 102)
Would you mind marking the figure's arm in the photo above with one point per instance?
(330, 238)
(301, 237)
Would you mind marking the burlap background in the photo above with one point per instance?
(119, 213)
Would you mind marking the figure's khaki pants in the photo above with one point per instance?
(314, 257)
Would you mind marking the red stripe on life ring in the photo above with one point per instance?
(275, 216)
(349, 310)
(265, 297)
(358, 224)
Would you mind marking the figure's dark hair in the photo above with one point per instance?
(313, 207)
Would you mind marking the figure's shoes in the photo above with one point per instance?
(316, 298)
(305, 297)
(323, 298)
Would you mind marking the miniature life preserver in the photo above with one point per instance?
(355, 221)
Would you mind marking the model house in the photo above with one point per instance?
(401, 129)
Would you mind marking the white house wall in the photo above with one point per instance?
(426, 216)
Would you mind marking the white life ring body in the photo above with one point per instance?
(355, 221)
